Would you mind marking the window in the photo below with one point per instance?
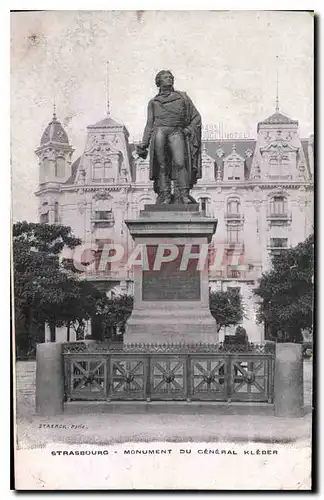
(56, 212)
(46, 166)
(278, 205)
(233, 233)
(97, 170)
(233, 171)
(44, 218)
(103, 215)
(107, 167)
(279, 165)
(59, 167)
(102, 170)
(233, 206)
(279, 242)
(233, 273)
(204, 205)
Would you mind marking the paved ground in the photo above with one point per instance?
(94, 427)
(107, 429)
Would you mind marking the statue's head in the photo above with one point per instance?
(164, 77)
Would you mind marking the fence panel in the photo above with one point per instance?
(250, 378)
(207, 374)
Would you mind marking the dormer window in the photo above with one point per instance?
(97, 170)
(233, 172)
(234, 166)
(102, 169)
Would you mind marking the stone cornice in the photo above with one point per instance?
(207, 186)
(252, 184)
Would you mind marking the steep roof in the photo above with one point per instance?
(106, 123)
(242, 146)
(304, 143)
(74, 169)
(278, 119)
(54, 132)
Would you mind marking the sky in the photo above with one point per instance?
(225, 60)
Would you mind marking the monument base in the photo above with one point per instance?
(171, 302)
(179, 324)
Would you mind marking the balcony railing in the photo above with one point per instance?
(106, 221)
(273, 216)
(277, 247)
(109, 218)
(237, 246)
(234, 216)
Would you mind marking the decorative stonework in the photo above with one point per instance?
(257, 205)
(82, 206)
(220, 152)
(102, 195)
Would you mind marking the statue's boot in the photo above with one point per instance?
(184, 196)
(183, 186)
(165, 196)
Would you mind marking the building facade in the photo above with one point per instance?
(260, 190)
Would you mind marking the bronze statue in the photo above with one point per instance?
(173, 131)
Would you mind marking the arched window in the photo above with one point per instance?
(97, 170)
(278, 205)
(107, 169)
(233, 206)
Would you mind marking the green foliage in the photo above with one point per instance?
(44, 290)
(226, 307)
(287, 293)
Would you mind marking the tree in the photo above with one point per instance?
(226, 307)
(287, 293)
(46, 289)
(112, 315)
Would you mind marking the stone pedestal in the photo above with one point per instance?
(288, 385)
(171, 302)
(49, 379)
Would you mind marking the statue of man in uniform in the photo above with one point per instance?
(173, 132)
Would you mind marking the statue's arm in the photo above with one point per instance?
(149, 125)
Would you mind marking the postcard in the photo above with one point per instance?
(163, 249)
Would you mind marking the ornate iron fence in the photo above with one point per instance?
(198, 372)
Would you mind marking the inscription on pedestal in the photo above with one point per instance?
(169, 282)
(180, 286)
